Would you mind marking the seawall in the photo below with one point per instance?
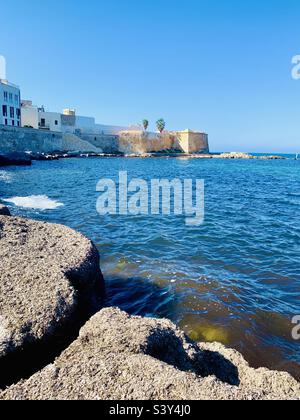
(15, 139)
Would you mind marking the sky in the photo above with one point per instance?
(223, 67)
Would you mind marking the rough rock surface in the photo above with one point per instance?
(121, 357)
(15, 159)
(235, 155)
(47, 274)
(4, 211)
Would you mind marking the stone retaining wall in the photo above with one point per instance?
(15, 139)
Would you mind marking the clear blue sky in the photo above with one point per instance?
(213, 65)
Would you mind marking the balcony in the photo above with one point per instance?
(44, 127)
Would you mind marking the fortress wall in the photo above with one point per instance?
(15, 139)
(139, 142)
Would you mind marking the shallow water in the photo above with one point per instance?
(234, 279)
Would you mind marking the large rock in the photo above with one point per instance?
(15, 159)
(121, 357)
(4, 211)
(50, 280)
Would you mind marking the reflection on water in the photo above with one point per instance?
(236, 279)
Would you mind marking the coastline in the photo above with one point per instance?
(25, 158)
(111, 341)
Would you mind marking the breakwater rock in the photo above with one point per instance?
(117, 356)
(15, 159)
(50, 282)
(4, 211)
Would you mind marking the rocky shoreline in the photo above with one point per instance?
(26, 159)
(50, 286)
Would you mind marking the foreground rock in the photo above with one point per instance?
(49, 279)
(4, 211)
(121, 357)
(15, 159)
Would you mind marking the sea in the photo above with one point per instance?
(234, 279)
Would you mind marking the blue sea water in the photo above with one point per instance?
(234, 279)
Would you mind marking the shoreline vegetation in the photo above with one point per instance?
(26, 158)
(58, 342)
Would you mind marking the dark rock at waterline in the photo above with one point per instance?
(15, 159)
(119, 357)
(43, 156)
(4, 211)
(50, 284)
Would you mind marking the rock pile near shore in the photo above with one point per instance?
(49, 276)
(121, 357)
(49, 281)
(4, 211)
(15, 159)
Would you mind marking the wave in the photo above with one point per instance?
(39, 202)
(5, 177)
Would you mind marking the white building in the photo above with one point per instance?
(113, 130)
(38, 118)
(10, 106)
(67, 122)
(49, 120)
(29, 115)
(72, 123)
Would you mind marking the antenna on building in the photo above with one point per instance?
(2, 68)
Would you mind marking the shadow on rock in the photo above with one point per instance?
(138, 296)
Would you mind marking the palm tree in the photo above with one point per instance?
(145, 124)
(161, 125)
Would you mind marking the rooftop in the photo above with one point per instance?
(6, 82)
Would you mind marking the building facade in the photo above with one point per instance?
(38, 118)
(29, 115)
(49, 120)
(10, 104)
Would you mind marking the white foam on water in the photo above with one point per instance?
(5, 177)
(40, 202)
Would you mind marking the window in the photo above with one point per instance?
(13, 122)
(17, 99)
(43, 122)
(5, 96)
(4, 110)
(10, 97)
(18, 123)
(56, 122)
(5, 121)
(18, 112)
(12, 112)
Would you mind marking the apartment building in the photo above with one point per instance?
(38, 118)
(10, 104)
